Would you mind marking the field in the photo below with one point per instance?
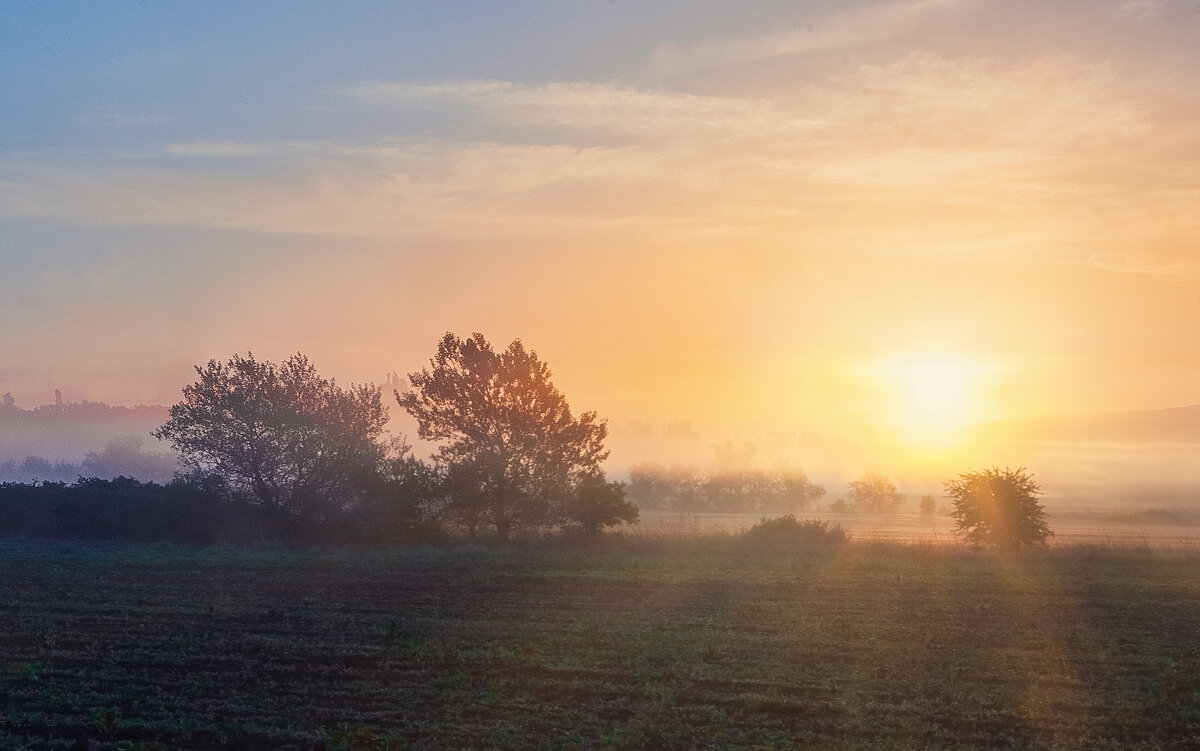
(633, 642)
(1158, 528)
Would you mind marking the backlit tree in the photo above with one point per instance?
(515, 454)
(281, 436)
(874, 492)
(998, 507)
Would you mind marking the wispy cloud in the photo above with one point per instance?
(1176, 266)
(1138, 10)
(215, 148)
(861, 26)
(109, 116)
(597, 108)
(927, 154)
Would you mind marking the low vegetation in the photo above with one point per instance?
(998, 507)
(788, 531)
(623, 643)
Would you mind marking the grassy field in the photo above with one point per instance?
(633, 643)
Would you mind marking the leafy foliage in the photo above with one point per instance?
(281, 435)
(788, 530)
(780, 489)
(998, 507)
(874, 492)
(596, 503)
(125, 509)
(512, 451)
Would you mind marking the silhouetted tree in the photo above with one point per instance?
(874, 492)
(794, 490)
(998, 507)
(596, 503)
(512, 450)
(282, 436)
(928, 505)
(402, 500)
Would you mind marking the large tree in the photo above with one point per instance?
(280, 436)
(513, 452)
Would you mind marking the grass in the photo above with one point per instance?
(629, 643)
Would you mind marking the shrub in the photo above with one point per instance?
(788, 530)
(998, 507)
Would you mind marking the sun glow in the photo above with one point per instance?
(934, 397)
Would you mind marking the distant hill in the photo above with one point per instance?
(1172, 425)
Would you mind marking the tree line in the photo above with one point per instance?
(287, 453)
(780, 489)
(123, 456)
(276, 451)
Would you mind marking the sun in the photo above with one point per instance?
(936, 387)
(933, 396)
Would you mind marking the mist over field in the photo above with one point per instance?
(1126, 460)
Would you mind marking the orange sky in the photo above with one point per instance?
(754, 219)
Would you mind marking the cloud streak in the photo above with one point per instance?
(862, 26)
(1055, 157)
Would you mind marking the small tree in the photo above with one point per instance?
(281, 436)
(928, 505)
(795, 491)
(597, 503)
(874, 492)
(998, 507)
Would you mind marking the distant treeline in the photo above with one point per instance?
(781, 489)
(84, 410)
(120, 457)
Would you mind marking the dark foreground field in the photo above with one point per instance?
(634, 644)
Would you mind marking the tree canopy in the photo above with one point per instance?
(512, 451)
(280, 435)
(874, 492)
(998, 507)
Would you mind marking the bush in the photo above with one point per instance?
(790, 531)
(998, 507)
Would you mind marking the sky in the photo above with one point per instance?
(808, 218)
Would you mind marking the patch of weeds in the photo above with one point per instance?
(180, 645)
(53, 696)
(523, 652)
(789, 531)
(141, 746)
(32, 670)
(361, 738)
(14, 719)
(106, 720)
(403, 642)
(489, 693)
(660, 646)
(1178, 688)
(231, 730)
